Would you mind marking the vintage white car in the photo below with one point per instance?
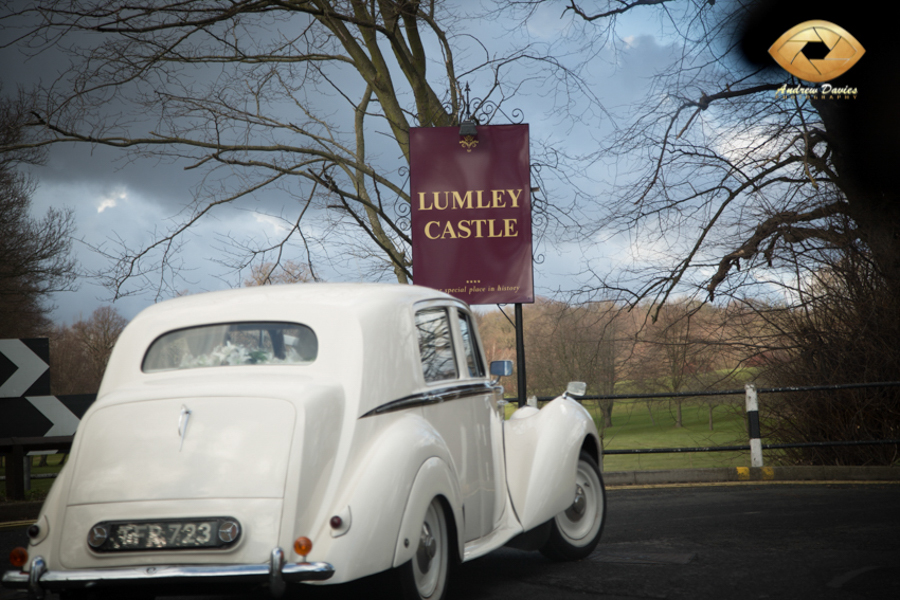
(309, 433)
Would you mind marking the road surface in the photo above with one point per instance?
(793, 541)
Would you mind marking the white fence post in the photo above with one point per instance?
(756, 457)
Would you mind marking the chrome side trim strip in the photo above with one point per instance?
(446, 394)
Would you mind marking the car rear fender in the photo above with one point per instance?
(434, 480)
(49, 520)
(542, 448)
(405, 461)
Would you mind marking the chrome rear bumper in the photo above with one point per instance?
(276, 573)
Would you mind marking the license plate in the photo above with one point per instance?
(169, 534)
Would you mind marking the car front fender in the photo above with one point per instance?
(542, 448)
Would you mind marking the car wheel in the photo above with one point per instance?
(425, 576)
(574, 532)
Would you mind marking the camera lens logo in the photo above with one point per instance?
(817, 51)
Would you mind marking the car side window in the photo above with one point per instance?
(436, 345)
(470, 345)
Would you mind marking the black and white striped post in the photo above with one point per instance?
(756, 457)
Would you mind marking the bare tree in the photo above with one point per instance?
(269, 273)
(314, 98)
(36, 253)
(843, 331)
(676, 352)
(79, 352)
(573, 343)
(498, 335)
(736, 177)
(752, 183)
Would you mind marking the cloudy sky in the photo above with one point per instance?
(120, 200)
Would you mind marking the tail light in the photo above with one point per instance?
(18, 557)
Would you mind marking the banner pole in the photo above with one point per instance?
(520, 355)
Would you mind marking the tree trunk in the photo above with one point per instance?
(606, 407)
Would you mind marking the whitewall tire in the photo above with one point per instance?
(575, 532)
(425, 577)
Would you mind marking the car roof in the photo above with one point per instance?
(358, 298)
(366, 325)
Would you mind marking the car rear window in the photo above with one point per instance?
(232, 344)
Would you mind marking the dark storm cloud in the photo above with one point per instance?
(120, 197)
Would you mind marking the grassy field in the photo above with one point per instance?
(39, 487)
(633, 428)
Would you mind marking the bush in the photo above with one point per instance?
(845, 331)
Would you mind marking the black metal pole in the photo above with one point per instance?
(520, 355)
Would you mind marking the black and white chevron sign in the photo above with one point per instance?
(24, 368)
(26, 407)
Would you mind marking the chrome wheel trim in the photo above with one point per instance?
(580, 523)
(431, 560)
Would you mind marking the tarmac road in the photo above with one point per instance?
(712, 542)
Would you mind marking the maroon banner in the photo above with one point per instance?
(471, 213)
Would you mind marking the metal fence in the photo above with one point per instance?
(18, 462)
(751, 394)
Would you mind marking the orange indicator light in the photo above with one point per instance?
(18, 557)
(303, 546)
